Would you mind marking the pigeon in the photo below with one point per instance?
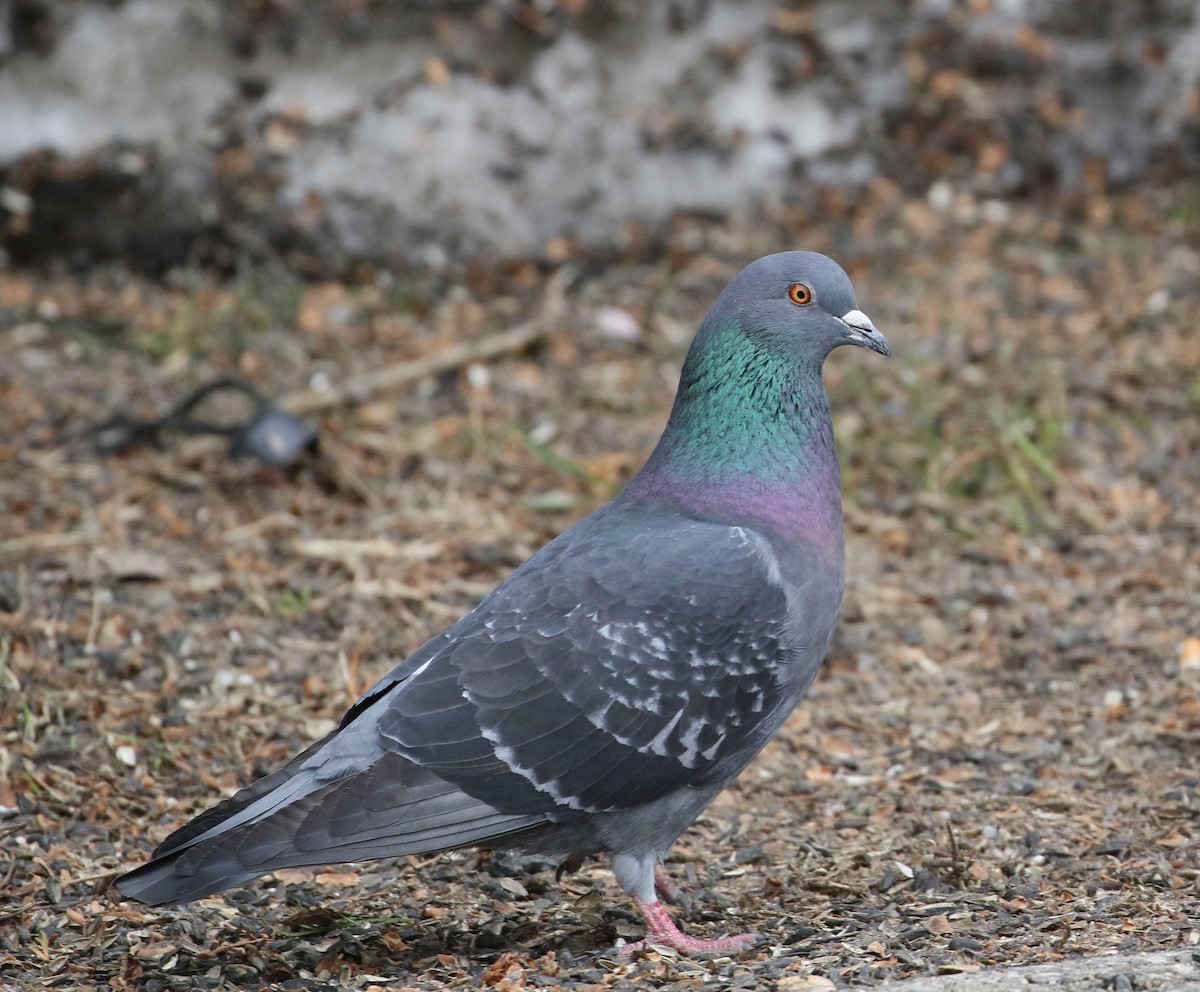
(600, 697)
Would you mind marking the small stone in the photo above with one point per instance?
(617, 324)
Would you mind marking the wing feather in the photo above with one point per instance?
(604, 673)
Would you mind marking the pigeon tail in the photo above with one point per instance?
(390, 809)
(156, 883)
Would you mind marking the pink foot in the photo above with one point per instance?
(661, 931)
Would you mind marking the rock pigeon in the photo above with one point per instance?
(602, 695)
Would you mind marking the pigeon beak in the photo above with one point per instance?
(864, 333)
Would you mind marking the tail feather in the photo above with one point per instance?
(229, 808)
(391, 808)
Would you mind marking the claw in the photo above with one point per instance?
(569, 867)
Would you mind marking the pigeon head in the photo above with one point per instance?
(750, 435)
(797, 303)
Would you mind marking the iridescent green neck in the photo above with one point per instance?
(749, 439)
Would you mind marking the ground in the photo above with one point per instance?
(997, 766)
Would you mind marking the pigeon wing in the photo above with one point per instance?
(606, 673)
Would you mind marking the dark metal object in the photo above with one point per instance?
(271, 435)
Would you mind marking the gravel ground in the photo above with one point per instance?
(997, 766)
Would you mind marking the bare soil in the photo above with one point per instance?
(998, 765)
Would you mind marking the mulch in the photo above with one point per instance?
(998, 765)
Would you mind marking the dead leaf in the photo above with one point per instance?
(337, 879)
(437, 72)
(130, 564)
(505, 969)
(156, 949)
(805, 983)
(394, 942)
(1189, 659)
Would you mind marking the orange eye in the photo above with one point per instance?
(799, 293)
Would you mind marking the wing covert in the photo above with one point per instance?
(604, 673)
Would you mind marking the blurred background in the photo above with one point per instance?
(328, 135)
(467, 244)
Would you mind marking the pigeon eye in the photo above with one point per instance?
(799, 293)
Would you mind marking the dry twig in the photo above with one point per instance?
(362, 387)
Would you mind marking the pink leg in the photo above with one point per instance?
(661, 929)
(667, 888)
